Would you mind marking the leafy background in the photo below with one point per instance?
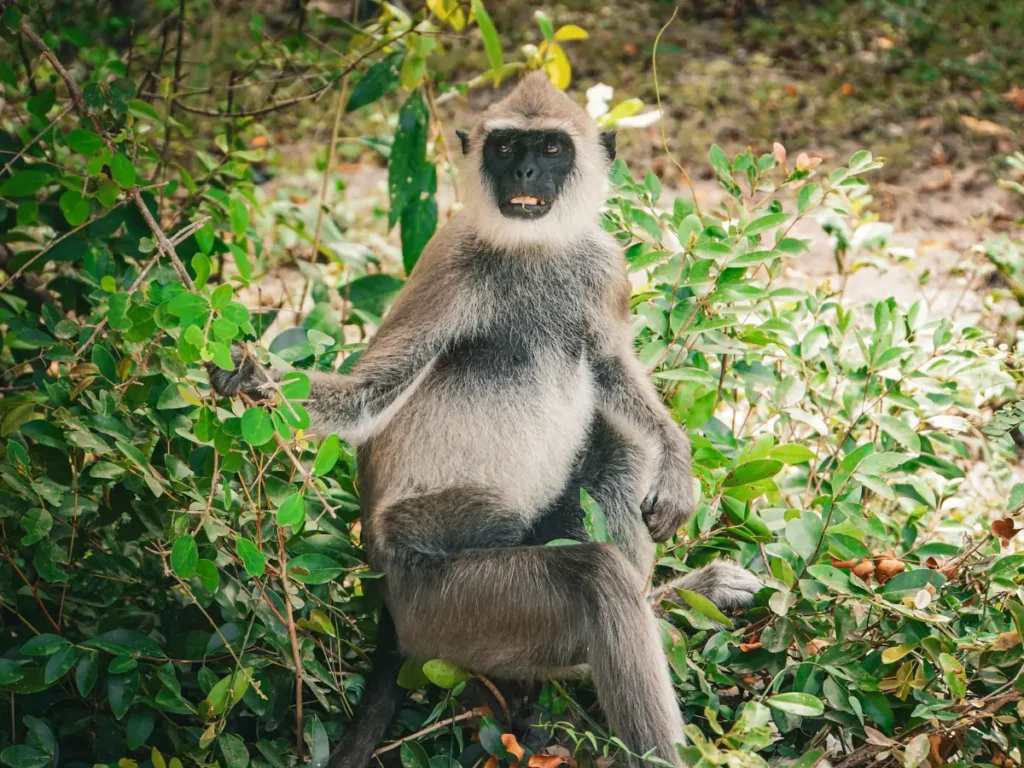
(181, 580)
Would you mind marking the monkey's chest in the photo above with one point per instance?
(512, 351)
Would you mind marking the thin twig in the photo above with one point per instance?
(476, 712)
(38, 136)
(162, 242)
(294, 641)
(34, 591)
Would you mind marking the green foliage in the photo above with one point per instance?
(167, 557)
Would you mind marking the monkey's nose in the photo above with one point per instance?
(525, 173)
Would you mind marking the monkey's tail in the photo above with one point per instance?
(726, 584)
(379, 705)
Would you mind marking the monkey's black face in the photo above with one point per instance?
(526, 170)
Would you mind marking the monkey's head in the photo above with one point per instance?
(537, 168)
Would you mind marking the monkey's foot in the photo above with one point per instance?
(726, 584)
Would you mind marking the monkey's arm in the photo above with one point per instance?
(626, 394)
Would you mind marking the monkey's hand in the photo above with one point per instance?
(670, 499)
(248, 377)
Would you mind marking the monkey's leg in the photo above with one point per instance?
(381, 698)
(525, 611)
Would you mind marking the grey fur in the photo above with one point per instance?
(502, 380)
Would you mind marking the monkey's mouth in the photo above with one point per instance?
(525, 207)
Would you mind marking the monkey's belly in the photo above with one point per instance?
(519, 437)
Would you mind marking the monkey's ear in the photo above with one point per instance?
(608, 142)
(464, 138)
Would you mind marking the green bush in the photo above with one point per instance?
(181, 581)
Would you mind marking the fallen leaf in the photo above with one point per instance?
(546, 761)
(983, 127)
(816, 646)
(298, 199)
(513, 747)
(846, 89)
(790, 90)
(935, 185)
(940, 747)
(1015, 96)
(258, 141)
(887, 569)
(884, 43)
(1005, 529)
(747, 647)
(629, 50)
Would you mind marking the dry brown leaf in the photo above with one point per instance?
(864, 570)
(940, 747)
(629, 50)
(934, 186)
(747, 647)
(492, 762)
(546, 761)
(846, 89)
(1015, 96)
(1005, 529)
(887, 555)
(259, 141)
(790, 90)
(513, 747)
(887, 569)
(1006, 641)
(816, 646)
(843, 563)
(983, 127)
(884, 43)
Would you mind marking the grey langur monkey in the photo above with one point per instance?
(503, 380)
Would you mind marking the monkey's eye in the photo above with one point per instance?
(504, 149)
(552, 149)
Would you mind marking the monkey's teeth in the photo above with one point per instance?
(525, 200)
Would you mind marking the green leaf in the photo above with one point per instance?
(880, 463)
(139, 727)
(406, 169)
(234, 685)
(233, 749)
(36, 523)
(800, 704)
(419, 220)
(327, 455)
(43, 645)
(705, 607)
(84, 141)
(10, 671)
(810, 195)
(239, 213)
(791, 453)
(594, 519)
(87, 672)
(765, 223)
(899, 430)
(122, 171)
(319, 745)
(121, 691)
(24, 756)
(252, 559)
(492, 43)
(24, 183)
(140, 108)
(413, 755)
(751, 472)
(833, 578)
(313, 569)
(257, 426)
(411, 675)
(126, 642)
(378, 80)
(445, 674)
(184, 557)
(720, 163)
(75, 207)
(804, 534)
(59, 664)
(292, 511)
